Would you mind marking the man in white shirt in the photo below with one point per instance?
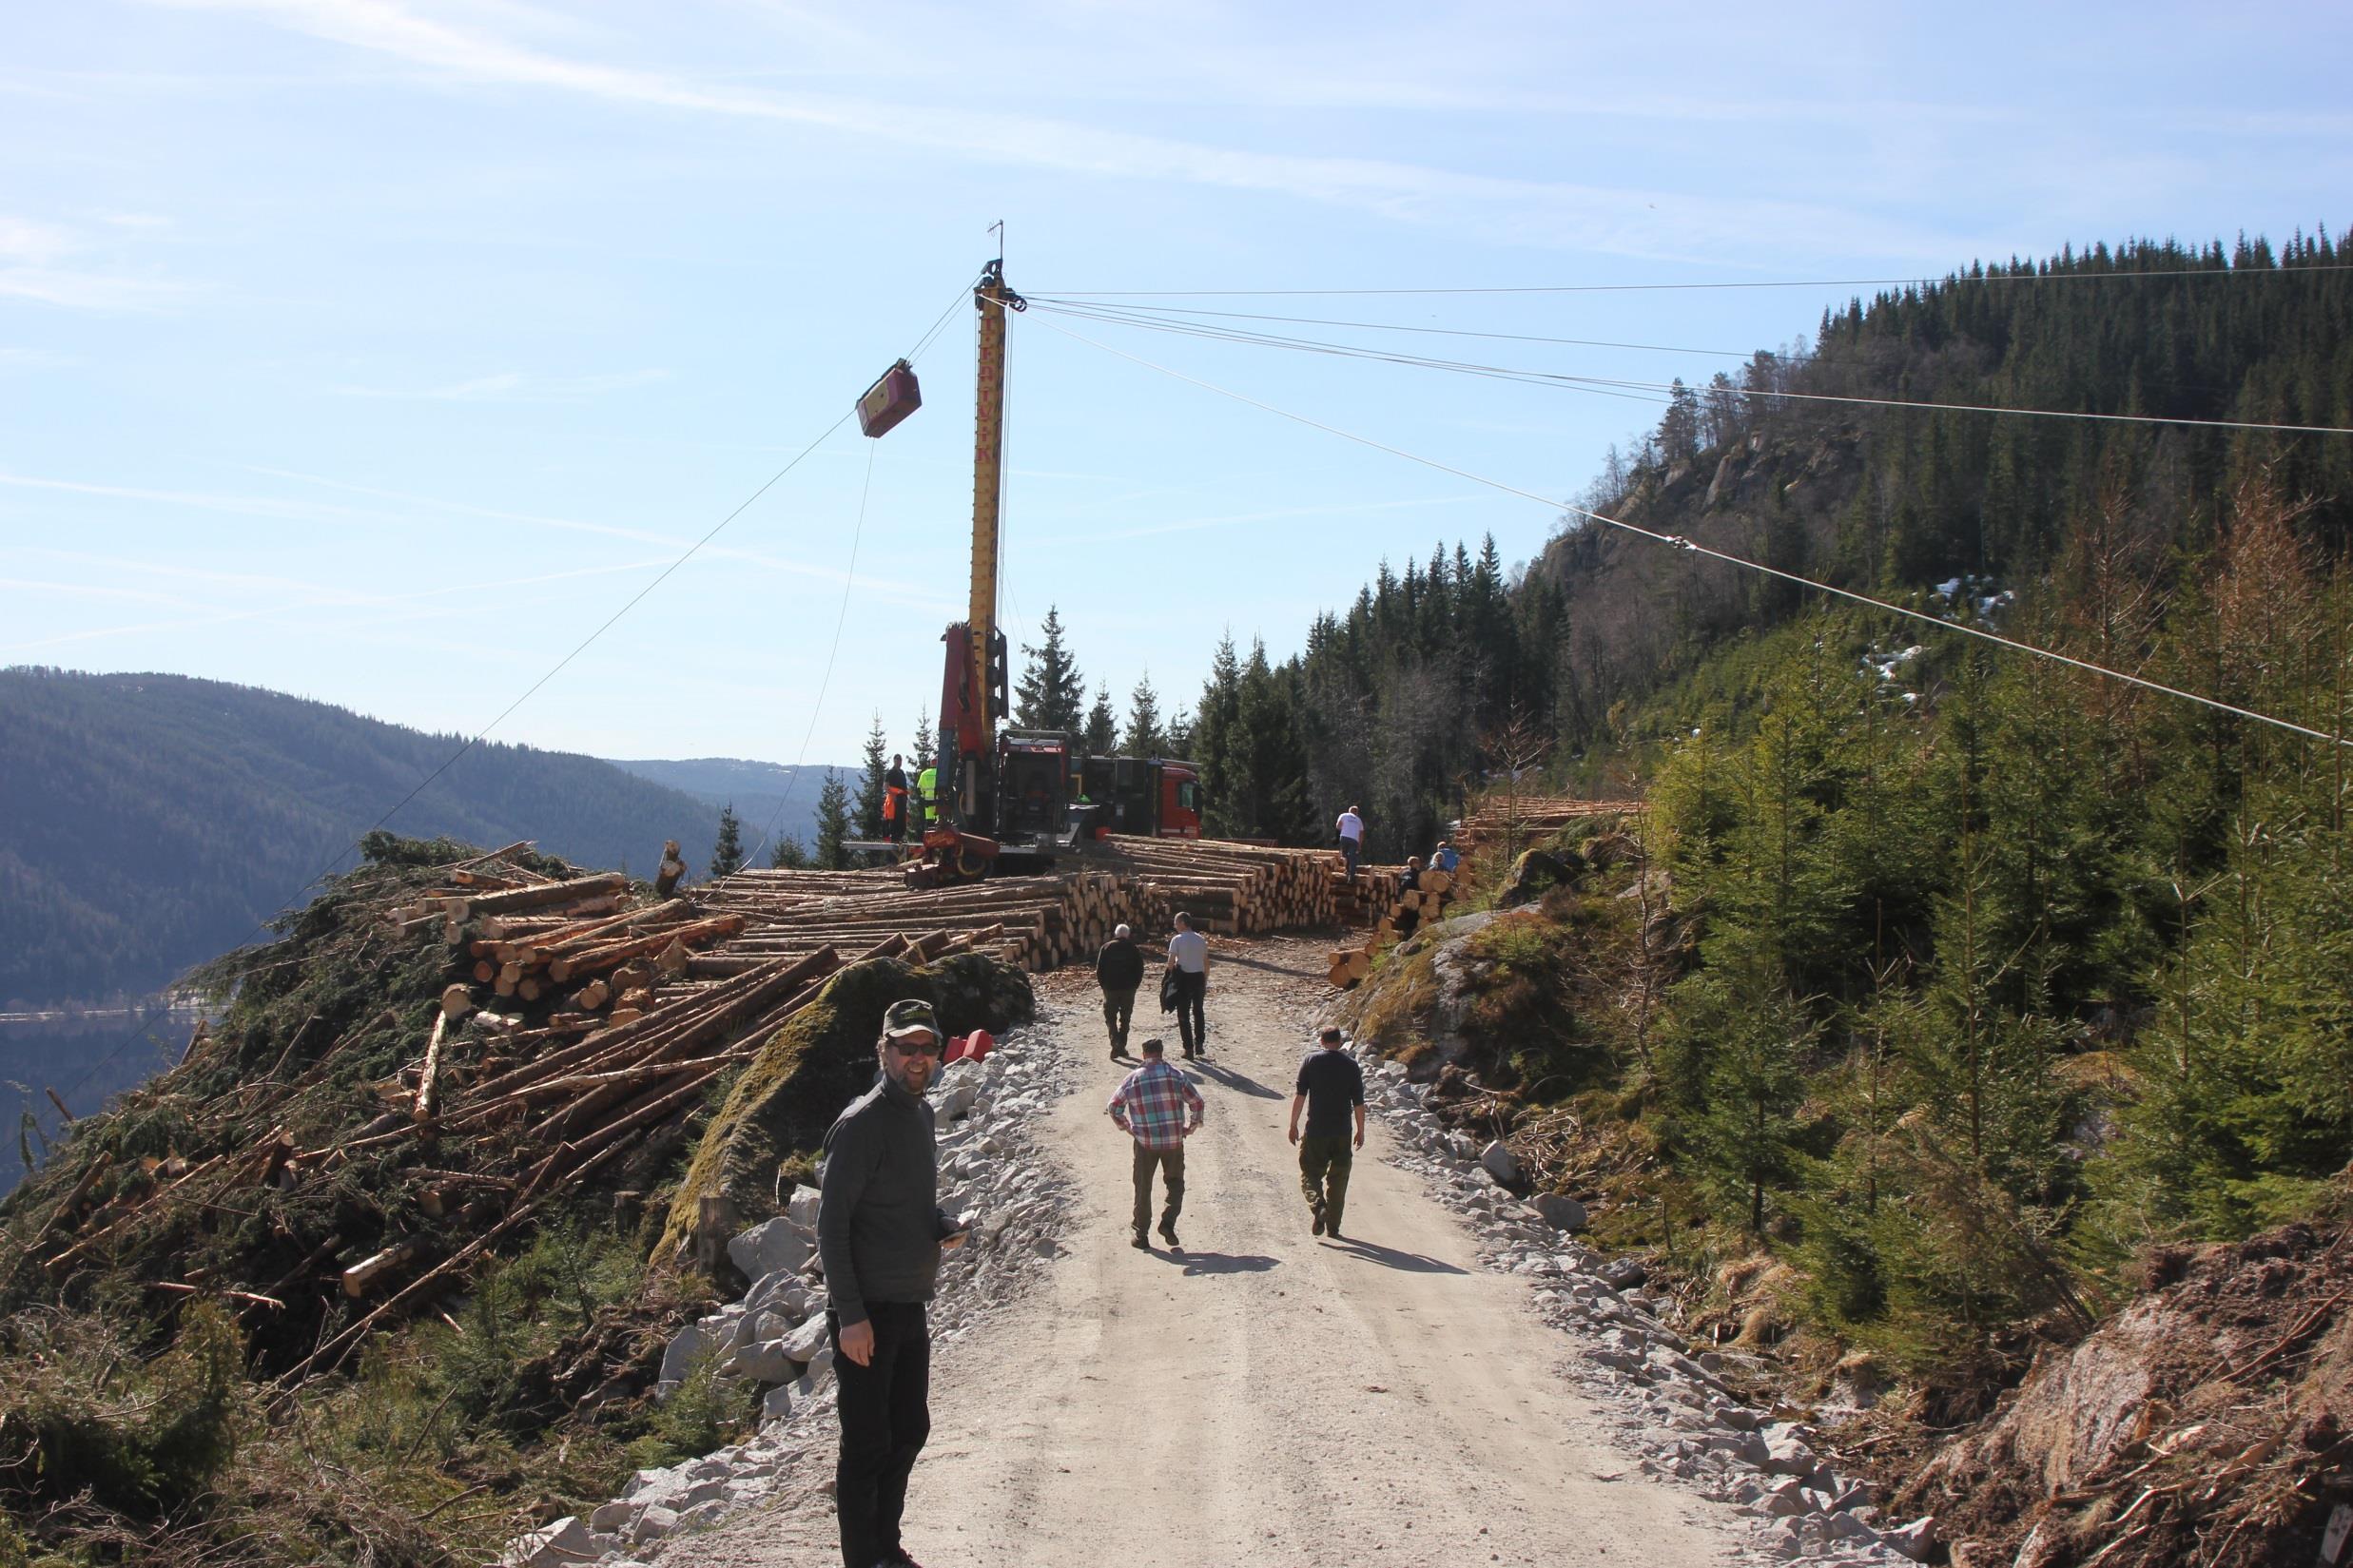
(1351, 840)
(1188, 955)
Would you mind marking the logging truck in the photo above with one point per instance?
(1012, 802)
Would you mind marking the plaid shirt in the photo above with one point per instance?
(1151, 1103)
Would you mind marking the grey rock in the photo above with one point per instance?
(655, 1524)
(804, 1343)
(566, 1540)
(616, 1516)
(782, 1294)
(800, 1208)
(687, 1347)
(1624, 1273)
(1500, 1163)
(777, 1244)
(956, 1091)
(762, 1363)
(1560, 1210)
(1915, 1540)
(776, 1404)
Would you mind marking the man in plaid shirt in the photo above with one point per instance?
(1159, 1107)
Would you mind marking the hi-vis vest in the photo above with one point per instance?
(927, 786)
(894, 802)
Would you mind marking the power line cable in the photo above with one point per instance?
(1620, 384)
(841, 619)
(792, 779)
(1397, 326)
(1679, 542)
(2119, 274)
(262, 926)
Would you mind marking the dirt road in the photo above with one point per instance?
(1266, 1397)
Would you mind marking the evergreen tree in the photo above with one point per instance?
(1144, 737)
(926, 747)
(1102, 729)
(834, 821)
(791, 854)
(1051, 694)
(726, 852)
(870, 785)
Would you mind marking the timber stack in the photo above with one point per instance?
(1391, 910)
(1498, 817)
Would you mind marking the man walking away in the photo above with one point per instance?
(1157, 1107)
(895, 800)
(1188, 954)
(1351, 840)
(1331, 1085)
(1118, 969)
(880, 1233)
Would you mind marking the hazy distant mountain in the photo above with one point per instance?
(762, 793)
(150, 822)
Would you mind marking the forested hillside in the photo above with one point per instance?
(152, 819)
(1401, 696)
(1945, 978)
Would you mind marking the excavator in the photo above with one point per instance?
(1014, 801)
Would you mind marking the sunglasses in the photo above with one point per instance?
(929, 1048)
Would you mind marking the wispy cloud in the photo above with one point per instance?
(1538, 213)
(516, 386)
(45, 262)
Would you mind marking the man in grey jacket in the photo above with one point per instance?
(880, 1233)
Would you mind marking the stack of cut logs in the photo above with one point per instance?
(1498, 817)
(1386, 905)
(585, 1024)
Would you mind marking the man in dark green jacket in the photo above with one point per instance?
(879, 1234)
(1118, 969)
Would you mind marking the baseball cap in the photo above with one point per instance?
(910, 1016)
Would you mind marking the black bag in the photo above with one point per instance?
(1168, 989)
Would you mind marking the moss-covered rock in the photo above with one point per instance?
(1536, 873)
(816, 1062)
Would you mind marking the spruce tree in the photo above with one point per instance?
(1102, 729)
(791, 854)
(1144, 737)
(925, 746)
(870, 785)
(834, 821)
(726, 852)
(1051, 694)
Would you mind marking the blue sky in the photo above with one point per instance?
(377, 350)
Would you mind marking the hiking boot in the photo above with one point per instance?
(1317, 1228)
(1140, 1243)
(1168, 1234)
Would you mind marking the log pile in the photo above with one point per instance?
(1389, 908)
(1498, 817)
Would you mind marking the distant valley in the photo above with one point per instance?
(153, 822)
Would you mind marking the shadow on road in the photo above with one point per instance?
(1293, 971)
(1219, 1262)
(1389, 1257)
(1241, 1081)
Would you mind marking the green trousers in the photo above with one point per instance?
(1118, 1009)
(1323, 1176)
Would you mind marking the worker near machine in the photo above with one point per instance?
(1352, 829)
(1330, 1087)
(895, 801)
(1159, 1107)
(880, 1233)
(1188, 957)
(1118, 969)
(927, 793)
(1445, 858)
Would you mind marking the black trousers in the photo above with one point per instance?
(885, 1418)
(1191, 1025)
